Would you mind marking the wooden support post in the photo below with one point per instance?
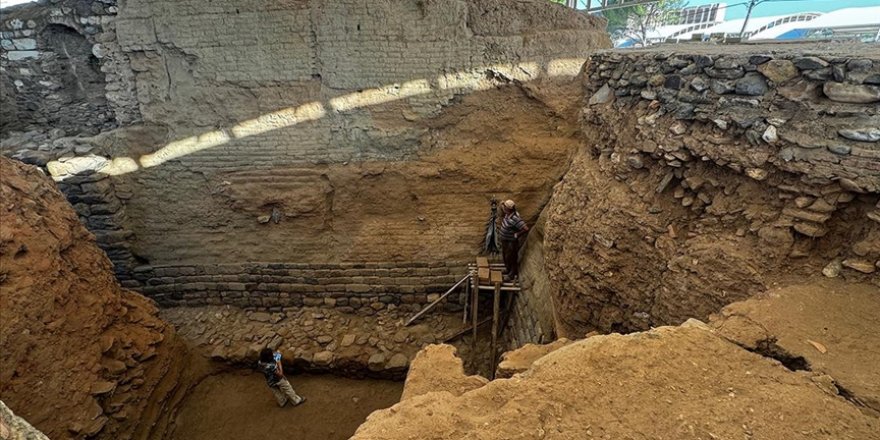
(467, 299)
(475, 303)
(496, 304)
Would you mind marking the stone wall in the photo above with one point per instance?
(811, 113)
(714, 172)
(63, 74)
(532, 319)
(353, 287)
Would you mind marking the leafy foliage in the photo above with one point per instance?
(636, 22)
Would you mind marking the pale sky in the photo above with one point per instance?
(5, 3)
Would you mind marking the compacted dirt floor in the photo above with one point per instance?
(238, 405)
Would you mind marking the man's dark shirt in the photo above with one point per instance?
(269, 371)
(510, 225)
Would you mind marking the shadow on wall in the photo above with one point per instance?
(474, 80)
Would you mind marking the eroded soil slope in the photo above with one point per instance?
(81, 356)
(676, 383)
(796, 362)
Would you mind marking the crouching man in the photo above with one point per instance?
(270, 366)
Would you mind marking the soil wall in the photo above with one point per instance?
(82, 357)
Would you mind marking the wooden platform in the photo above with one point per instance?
(489, 277)
(481, 276)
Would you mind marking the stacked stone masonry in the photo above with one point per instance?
(349, 287)
(63, 73)
(815, 118)
(769, 100)
(532, 319)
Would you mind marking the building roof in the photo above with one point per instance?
(846, 18)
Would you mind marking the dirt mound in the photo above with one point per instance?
(682, 382)
(521, 359)
(81, 356)
(436, 368)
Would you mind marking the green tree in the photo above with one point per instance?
(636, 22)
(616, 18)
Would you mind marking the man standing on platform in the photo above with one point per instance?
(512, 229)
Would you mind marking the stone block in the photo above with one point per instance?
(18, 55)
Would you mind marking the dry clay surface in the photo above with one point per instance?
(684, 382)
(831, 325)
(81, 356)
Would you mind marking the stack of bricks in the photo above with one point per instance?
(348, 287)
(101, 210)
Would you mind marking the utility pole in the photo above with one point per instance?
(752, 4)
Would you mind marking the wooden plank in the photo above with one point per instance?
(503, 288)
(496, 277)
(484, 274)
(482, 262)
(436, 301)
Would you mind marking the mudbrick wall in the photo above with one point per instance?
(302, 132)
(715, 172)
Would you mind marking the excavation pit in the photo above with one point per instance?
(237, 404)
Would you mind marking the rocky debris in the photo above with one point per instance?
(376, 362)
(825, 327)
(751, 85)
(521, 359)
(664, 381)
(832, 269)
(602, 96)
(91, 347)
(312, 338)
(863, 266)
(861, 135)
(398, 361)
(323, 358)
(436, 368)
